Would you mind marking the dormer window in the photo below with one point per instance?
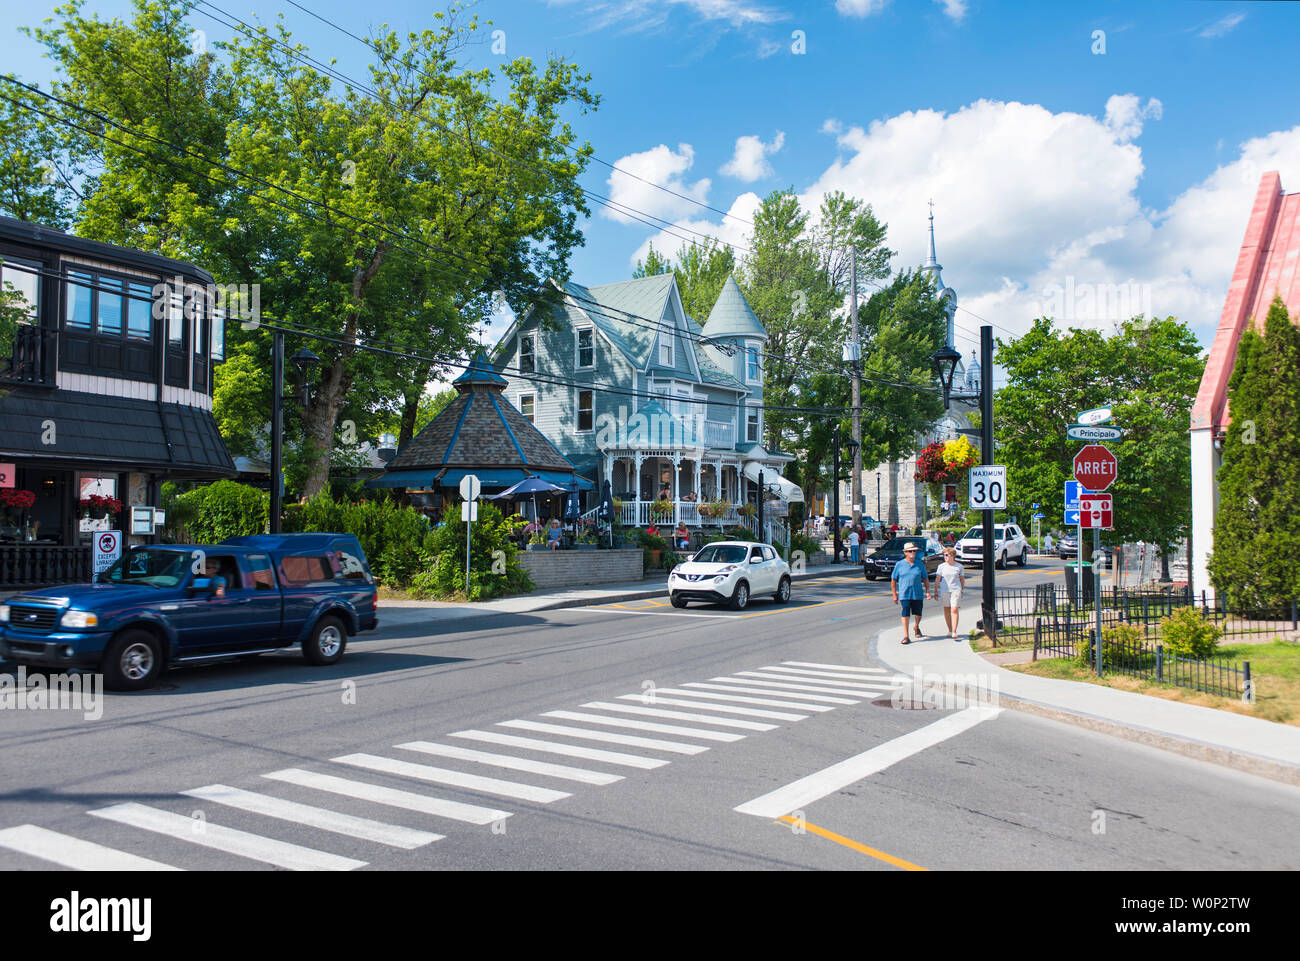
(665, 347)
(586, 347)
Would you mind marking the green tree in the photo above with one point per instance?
(701, 270)
(35, 174)
(1257, 527)
(1148, 372)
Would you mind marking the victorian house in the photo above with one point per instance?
(636, 392)
(106, 392)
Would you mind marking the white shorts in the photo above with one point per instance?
(950, 599)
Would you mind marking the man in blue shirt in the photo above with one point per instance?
(908, 584)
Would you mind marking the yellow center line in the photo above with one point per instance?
(854, 845)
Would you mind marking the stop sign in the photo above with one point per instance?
(1095, 467)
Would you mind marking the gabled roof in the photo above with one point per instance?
(1266, 268)
(731, 315)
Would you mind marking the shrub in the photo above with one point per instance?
(397, 539)
(669, 559)
(225, 509)
(1187, 633)
(809, 545)
(488, 578)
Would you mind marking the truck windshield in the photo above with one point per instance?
(155, 568)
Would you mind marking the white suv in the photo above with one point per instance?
(1009, 544)
(730, 572)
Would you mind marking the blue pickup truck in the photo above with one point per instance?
(167, 605)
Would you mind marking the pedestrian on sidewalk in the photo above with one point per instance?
(950, 580)
(1047, 543)
(853, 546)
(907, 584)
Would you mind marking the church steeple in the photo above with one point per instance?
(943, 292)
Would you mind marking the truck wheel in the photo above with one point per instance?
(740, 597)
(132, 661)
(326, 643)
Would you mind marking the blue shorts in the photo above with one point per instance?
(912, 606)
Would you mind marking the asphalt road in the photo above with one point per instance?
(536, 742)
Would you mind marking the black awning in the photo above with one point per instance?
(121, 431)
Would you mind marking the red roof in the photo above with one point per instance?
(1268, 266)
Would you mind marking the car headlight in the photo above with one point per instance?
(79, 619)
(4, 613)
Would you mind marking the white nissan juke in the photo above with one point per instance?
(730, 572)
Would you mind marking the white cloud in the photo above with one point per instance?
(955, 9)
(1029, 202)
(659, 165)
(1222, 26)
(1125, 114)
(732, 229)
(644, 14)
(749, 162)
(860, 8)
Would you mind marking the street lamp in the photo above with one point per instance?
(387, 447)
(304, 361)
(944, 361)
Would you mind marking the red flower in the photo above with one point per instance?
(96, 502)
(21, 499)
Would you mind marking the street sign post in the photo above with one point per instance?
(1098, 415)
(988, 487)
(470, 488)
(107, 549)
(1081, 432)
(1096, 512)
(1096, 466)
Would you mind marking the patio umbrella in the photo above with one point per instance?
(529, 485)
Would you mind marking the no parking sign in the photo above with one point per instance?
(108, 548)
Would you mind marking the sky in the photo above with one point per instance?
(1085, 160)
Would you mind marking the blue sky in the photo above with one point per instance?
(1054, 167)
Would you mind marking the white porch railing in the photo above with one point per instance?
(638, 514)
(719, 434)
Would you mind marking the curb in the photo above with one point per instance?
(1258, 765)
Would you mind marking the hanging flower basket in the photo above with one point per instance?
(99, 507)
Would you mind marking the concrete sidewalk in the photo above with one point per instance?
(407, 612)
(1234, 740)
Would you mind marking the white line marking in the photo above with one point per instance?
(787, 686)
(680, 716)
(850, 687)
(837, 667)
(568, 750)
(394, 835)
(215, 836)
(803, 672)
(708, 706)
(798, 794)
(440, 775)
(741, 699)
(407, 800)
(73, 852)
(631, 740)
(619, 610)
(766, 690)
(513, 763)
(645, 726)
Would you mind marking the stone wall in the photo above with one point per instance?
(551, 569)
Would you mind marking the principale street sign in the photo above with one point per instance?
(470, 487)
(1096, 466)
(1081, 432)
(1098, 415)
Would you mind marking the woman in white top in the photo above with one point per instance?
(950, 578)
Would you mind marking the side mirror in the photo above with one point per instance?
(756, 560)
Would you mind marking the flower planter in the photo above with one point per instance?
(654, 558)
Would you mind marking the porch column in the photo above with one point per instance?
(677, 487)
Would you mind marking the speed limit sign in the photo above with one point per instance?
(988, 488)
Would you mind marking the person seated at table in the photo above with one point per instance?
(652, 530)
(681, 536)
(553, 536)
(664, 493)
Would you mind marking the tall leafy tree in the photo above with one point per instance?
(1148, 372)
(1257, 528)
(36, 175)
(391, 214)
(701, 270)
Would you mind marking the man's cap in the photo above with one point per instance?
(910, 547)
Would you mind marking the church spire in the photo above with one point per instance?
(943, 292)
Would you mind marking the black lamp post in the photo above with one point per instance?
(944, 361)
(303, 361)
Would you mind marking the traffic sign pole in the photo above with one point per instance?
(988, 601)
(470, 488)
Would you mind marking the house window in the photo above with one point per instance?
(526, 405)
(752, 372)
(108, 307)
(526, 365)
(751, 425)
(665, 347)
(586, 403)
(218, 334)
(586, 348)
(77, 310)
(24, 276)
(139, 311)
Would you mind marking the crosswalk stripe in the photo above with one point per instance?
(439, 775)
(241, 843)
(767, 689)
(851, 687)
(631, 740)
(392, 797)
(394, 835)
(721, 708)
(680, 715)
(837, 667)
(742, 699)
(645, 726)
(70, 852)
(568, 750)
(806, 672)
(514, 763)
(787, 686)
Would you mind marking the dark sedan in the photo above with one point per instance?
(1069, 547)
(880, 562)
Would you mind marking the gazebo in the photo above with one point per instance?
(479, 433)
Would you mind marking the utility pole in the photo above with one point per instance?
(277, 426)
(988, 602)
(856, 492)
